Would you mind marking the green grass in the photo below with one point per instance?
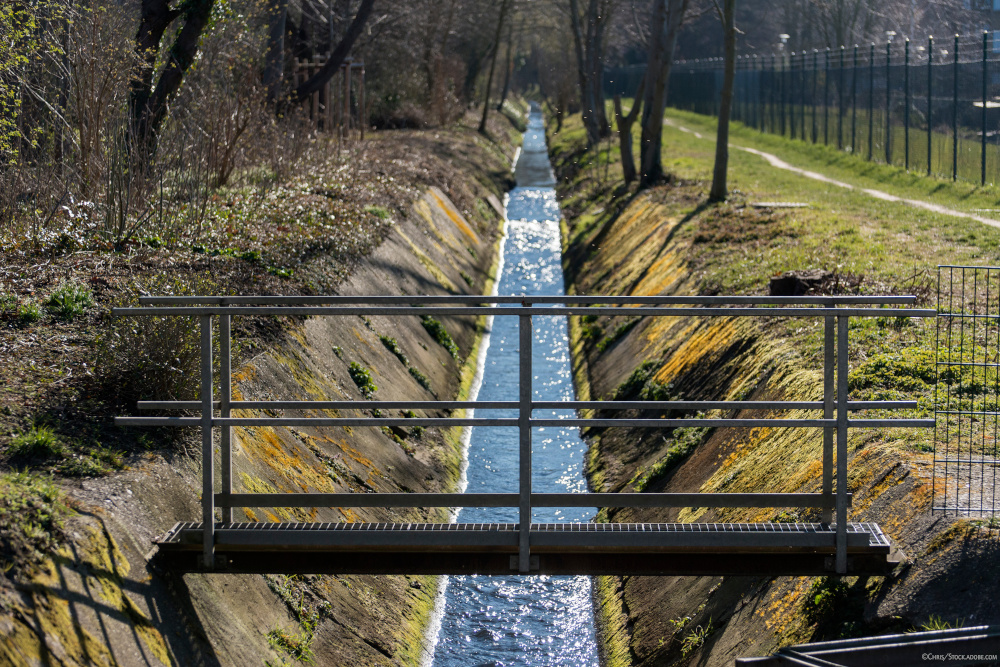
(391, 345)
(69, 300)
(32, 516)
(38, 443)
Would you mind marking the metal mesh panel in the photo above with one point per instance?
(966, 454)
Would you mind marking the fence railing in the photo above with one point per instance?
(932, 105)
(216, 412)
(967, 451)
(339, 106)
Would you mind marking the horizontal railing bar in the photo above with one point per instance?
(334, 405)
(537, 405)
(396, 311)
(890, 423)
(979, 413)
(969, 316)
(415, 500)
(974, 364)
(511, 421)
(800, 500)
(478, 299)
(968, 462)
(368, 499)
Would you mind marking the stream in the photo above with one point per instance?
(543, 621)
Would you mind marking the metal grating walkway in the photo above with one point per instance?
(557, 548)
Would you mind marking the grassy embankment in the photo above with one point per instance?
(668, 240)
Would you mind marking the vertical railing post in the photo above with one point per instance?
(930, 99)
(842, 369)
(815, 79)
(854, 103)
(803, 74)
(207, 454)
(790, 79)
(906, 108)
(954, 114)
(982, 158)
(871, 99)
(888, 100)
(840, 102)
(524, 426)
(225, 398)
(829, 367)
(826, 100)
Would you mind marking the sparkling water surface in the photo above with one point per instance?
(543, 621)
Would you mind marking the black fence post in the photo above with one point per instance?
(871, 98)
(790, 98)
(815, 78)
(982, 159)
(840, 102)
(802, 96)
(954, 114)
(888, 103)
(854, 102)
(826, 100)
(906, 109)
(930, 99)
(774, 83)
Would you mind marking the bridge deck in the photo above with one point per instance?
(556, 548)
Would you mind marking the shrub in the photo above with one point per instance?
(69, 300)
(151, 358)
(363, 378)
(391, 345)
(440, 334)
(38, 443)
(634, 383)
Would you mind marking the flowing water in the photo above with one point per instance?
(541, 621)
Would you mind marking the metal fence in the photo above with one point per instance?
(931, 106)
(966, 453)
(339, 106)
(216, 411)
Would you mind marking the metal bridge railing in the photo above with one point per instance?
(216, 412)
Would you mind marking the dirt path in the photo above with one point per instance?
(778, 163)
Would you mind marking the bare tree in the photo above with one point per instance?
(624, 123)
(668, 17)
(493, 65)
(589, 32)
(727, 16)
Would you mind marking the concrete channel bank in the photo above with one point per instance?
(647, 244)
(101, 598)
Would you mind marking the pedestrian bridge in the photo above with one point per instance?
(833, 545)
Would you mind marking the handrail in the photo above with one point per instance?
(835, 406)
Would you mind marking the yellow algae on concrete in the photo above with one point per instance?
(710, 341)
(456, 217)
(428, 263)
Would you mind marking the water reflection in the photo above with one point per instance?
(536, 620)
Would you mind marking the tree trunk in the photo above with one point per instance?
(510, 66)
(667, 20)
(624, 124)
(493, 66)
(719, 189)
(274, 65)
(148, 105)
(583, 73)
